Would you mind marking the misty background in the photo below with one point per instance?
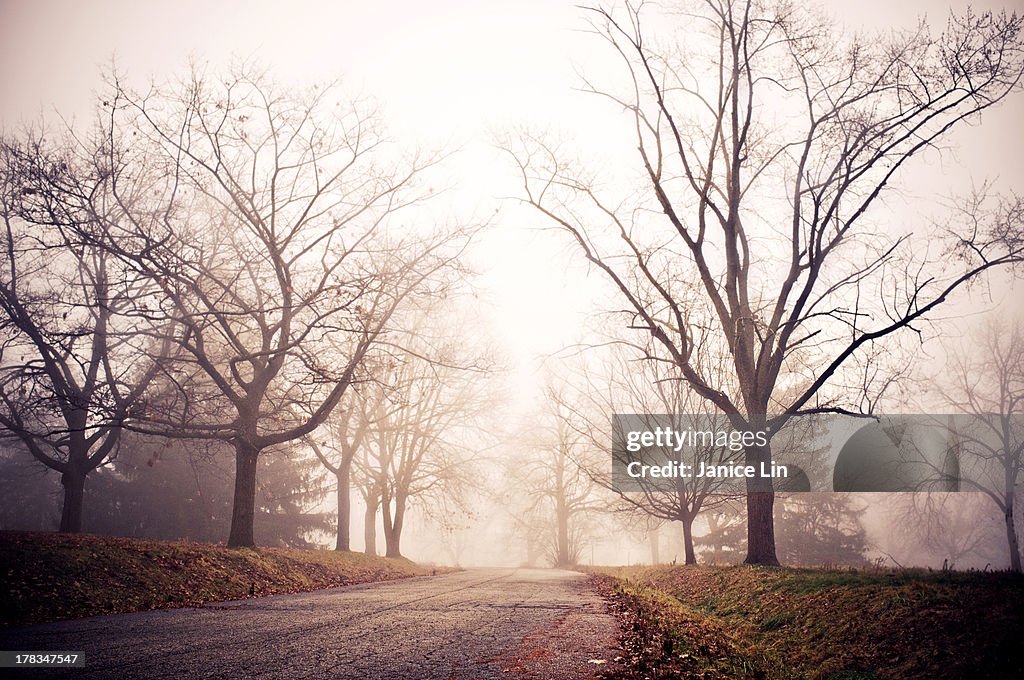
(522, 373)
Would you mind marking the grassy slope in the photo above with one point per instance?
(803, 623)
(49, 577)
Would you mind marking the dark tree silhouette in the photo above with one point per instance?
(816, 529)
(71, 369)
(182, 489)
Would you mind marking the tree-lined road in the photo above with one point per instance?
(481, 623)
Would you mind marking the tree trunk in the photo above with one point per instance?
(562, 558)
(74, 496)
(344, 506)
(370, 523)
(1011, 535)
(760, 503)
(392, 543)
(655, 547)
(243, 510)
(393, 533)
(691, 556)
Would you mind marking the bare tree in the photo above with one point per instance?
(765, 143)
(69, 366)
(559, 490)
(989, 385)
(346, 430)
(267, 227)
(370, 481)
(418, 441)
(378, 401)
(631, 385)
(950, 529)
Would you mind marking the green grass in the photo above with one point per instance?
(760, 622)
(49, 577)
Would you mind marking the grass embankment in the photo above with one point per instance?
(49, 577)
(756, 622)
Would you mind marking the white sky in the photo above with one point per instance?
(449, 72)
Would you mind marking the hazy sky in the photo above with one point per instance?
(449, 72)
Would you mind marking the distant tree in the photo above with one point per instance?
(456, 540)
(370, 482)
(937, 528)
(988, 384)
(549, 473)
(631, 385)
(336, 445)
(422, 413)
(725, 539)
(652, 531)
(529, 519)
(30, 500)
(765, 144)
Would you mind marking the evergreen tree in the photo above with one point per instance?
(814, 529)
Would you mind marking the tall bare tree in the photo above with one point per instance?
(370, 480)
(69, 366)
(764, 142)
(343, 445)
(270, 233)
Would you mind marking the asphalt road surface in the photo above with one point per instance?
(480, 623)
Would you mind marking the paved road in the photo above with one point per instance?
(511, 623)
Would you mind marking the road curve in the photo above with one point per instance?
(480, 623)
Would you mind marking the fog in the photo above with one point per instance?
(444, 328)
